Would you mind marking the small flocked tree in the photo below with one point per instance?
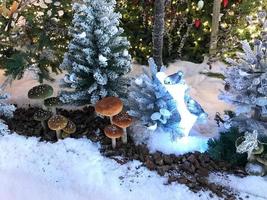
(246, 87)
(98, 55)
(246, 81)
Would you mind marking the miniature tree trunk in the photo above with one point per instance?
(158, 31)
(215, 27)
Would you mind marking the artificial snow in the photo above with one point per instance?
(162, 141)
(73, 169)
(82, 35)
(250, 185)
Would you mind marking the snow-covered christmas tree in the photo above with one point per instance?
(246, 81)
(98, 55)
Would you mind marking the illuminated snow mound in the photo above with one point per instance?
(161, 141)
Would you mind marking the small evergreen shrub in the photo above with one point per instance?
(224, 148)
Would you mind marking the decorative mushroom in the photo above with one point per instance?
(69, 129)
(109, 106)
(52, 103)
(42, 115)
(40, 92)
(123, 120)
(57, 123)
(113, 132)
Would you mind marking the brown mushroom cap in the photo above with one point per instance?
(70, 128)
(109, 106)
(122, 120)
(57, 122)
(42, 115)
(113, 131)
(40, 92)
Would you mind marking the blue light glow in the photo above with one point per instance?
(162, 142)
(178, 92)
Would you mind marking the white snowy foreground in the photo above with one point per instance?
(73, 169)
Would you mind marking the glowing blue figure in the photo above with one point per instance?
(176, 87)
(162, 103)
(174, 78)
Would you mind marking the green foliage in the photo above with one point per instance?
(34, 37)
(224, 148)
(15, 64)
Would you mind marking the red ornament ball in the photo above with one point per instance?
(225, 3)
(197, 23)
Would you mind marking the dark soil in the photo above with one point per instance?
(87, 124)
(191, 169)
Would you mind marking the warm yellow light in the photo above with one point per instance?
(224, 25)
(240, 31)
(206, 23)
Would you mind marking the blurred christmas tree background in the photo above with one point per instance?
(188, 27)
(34, 36)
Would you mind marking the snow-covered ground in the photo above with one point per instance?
(73, 169)
(252, 186)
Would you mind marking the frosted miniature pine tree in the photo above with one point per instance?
(97, 58)
(246, 81)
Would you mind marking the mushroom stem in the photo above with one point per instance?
(44, 125)
(58, 132)
(110, 118)
(113, 143)
(43, 106)
(124, 136)
(54, 110)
